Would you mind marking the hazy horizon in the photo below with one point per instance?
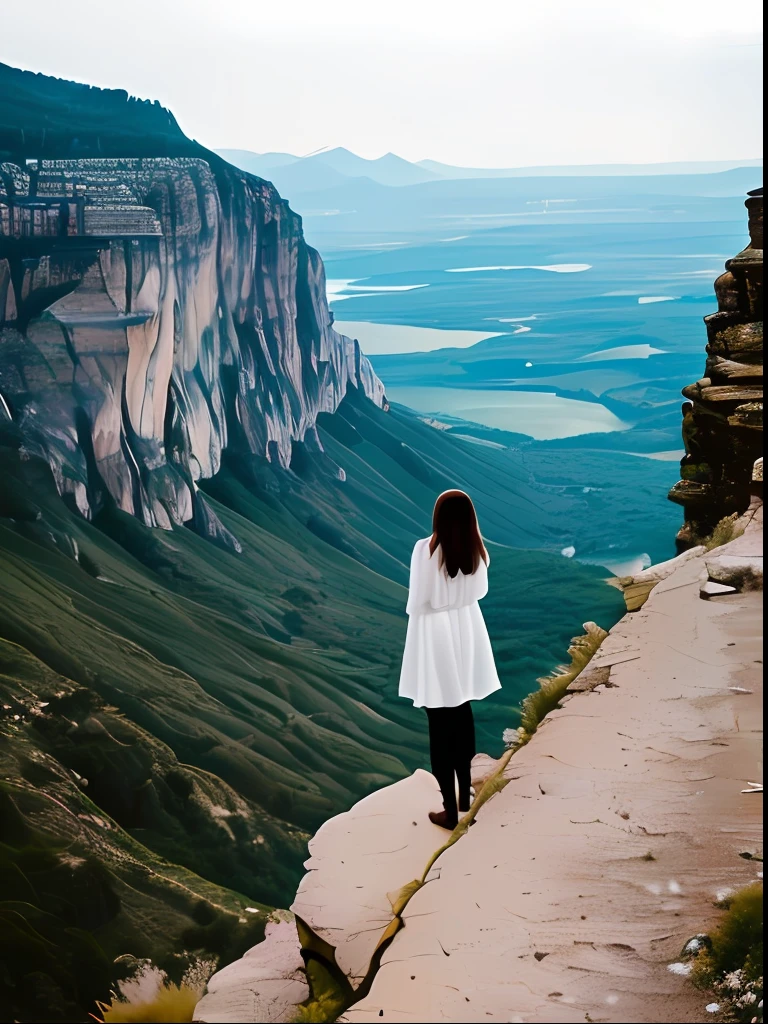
(508, 86)
(742, 161)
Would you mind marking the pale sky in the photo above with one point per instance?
(493, 83)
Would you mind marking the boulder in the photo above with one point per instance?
(361, 858)
(267, 984)
(739, 564)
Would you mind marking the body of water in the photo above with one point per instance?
(623, 352)
(396, 339)
(544, 416)
(553, 268)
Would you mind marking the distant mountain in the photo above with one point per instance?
(387, 170)
(588, 170)
(293, 174)
(296, 175)
(305, 176)
(257, 163)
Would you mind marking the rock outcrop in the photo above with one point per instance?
(723, 417)
(155, 313)
(637, 588)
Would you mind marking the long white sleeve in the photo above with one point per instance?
(418, 585)
(431, 589)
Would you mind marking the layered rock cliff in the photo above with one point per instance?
(153, 314)
(723, 417)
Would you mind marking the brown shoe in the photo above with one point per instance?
(441, 818)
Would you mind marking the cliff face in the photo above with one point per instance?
(723, 417)
(153, 313)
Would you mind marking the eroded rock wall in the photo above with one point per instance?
(723, 417)
(132, 360)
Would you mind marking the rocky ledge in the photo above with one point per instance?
(619, 824)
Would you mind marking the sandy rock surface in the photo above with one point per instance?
(358, 859)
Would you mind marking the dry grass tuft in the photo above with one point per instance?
(552, 688)
(148, 997)
(727, 529)
(172, 1004)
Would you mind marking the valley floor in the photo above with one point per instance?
(623, 822)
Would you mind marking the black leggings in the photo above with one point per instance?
(451, 749)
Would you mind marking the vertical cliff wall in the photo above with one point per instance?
(723, 415)
(172, 311)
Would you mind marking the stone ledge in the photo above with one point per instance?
(267, 984)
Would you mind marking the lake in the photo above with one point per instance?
(396, 339)
(542, 415)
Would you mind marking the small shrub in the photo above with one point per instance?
(327, 999)
(732, 965)
(725, 531)
(172, 1004)
(150, 998)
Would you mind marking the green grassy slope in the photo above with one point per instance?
(78, 891)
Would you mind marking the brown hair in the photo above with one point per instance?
(456, 533)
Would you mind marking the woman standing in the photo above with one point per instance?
(448, 661)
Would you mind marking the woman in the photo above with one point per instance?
(448, 661)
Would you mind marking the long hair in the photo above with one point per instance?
(456, 533)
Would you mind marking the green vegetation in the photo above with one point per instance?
(77, 891)
(151, 998)
(731, 963)
(49, 117)
(173, 1003)
(725, 531)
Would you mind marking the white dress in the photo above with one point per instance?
(447, 658)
